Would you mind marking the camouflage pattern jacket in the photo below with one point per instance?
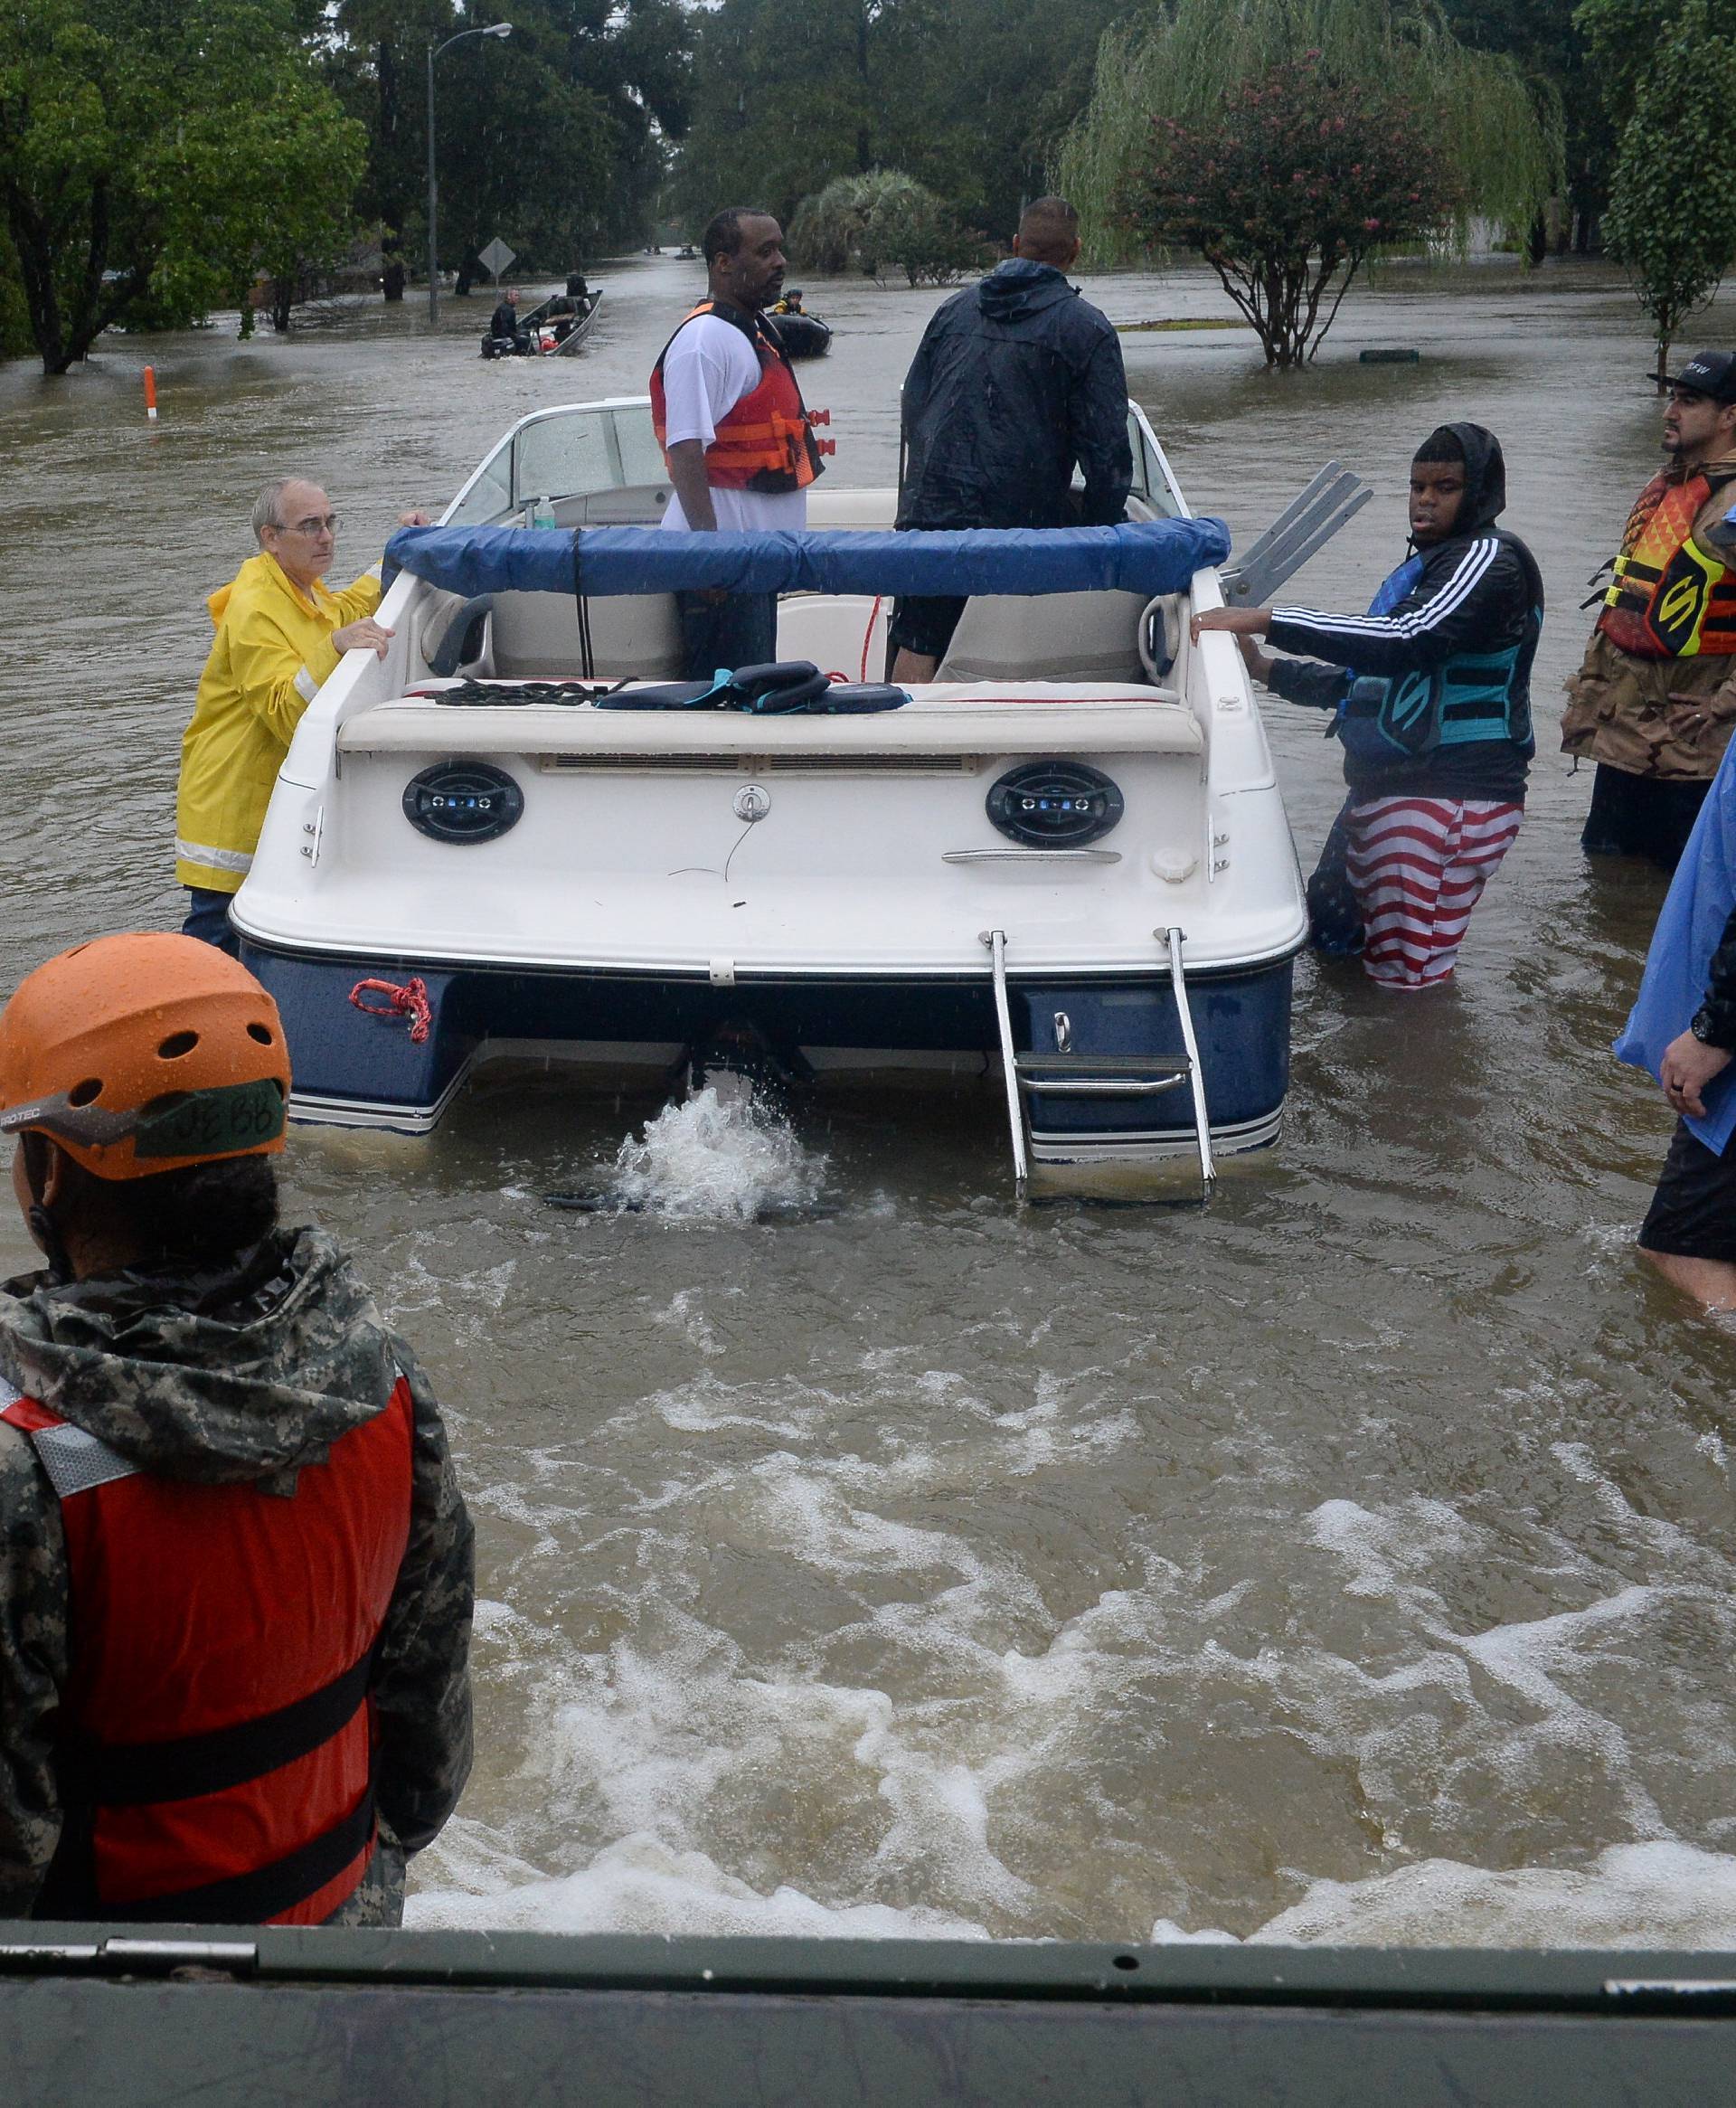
(1668, 718)
(241, 1376)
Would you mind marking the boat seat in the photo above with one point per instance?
(633, 637)
(1055, 636)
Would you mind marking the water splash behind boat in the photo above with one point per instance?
(721, 1155)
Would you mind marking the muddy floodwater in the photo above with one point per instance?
(1351, 1561)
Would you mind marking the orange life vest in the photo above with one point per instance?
(1671, 597)
(764, 442)
(216, 1756)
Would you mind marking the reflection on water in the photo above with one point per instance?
(1351, 1561)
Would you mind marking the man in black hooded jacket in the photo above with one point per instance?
(1430, 692)
(1017, 379)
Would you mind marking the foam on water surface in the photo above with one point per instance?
(721, 1158)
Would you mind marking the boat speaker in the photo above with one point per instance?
(1054, 805)
(463, 801)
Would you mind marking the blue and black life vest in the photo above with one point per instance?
(1472, 697)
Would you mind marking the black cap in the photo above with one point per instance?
(1707, 373)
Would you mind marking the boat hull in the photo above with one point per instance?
(354, 1067)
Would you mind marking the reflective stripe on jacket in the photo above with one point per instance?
(1671, 596)
(764, 443)
(272, 650)
(217, 1740)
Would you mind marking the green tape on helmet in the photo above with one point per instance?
(219, 1122)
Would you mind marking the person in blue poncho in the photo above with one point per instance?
(1682, 1029)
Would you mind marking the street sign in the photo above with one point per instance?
(495, 258)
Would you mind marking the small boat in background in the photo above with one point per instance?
(802, 334)
(560, 324)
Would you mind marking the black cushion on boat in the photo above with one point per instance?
(789, 688)
(666, 696)
(858, 699)
(783, 673)
(791, 697)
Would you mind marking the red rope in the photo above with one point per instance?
(868, 635)
(410, 1000)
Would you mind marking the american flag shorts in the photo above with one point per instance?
(1418, 866)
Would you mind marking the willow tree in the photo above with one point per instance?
(1497, 142)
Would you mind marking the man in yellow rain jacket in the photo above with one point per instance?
(280, 633)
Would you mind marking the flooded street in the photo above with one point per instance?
(1351, 1561)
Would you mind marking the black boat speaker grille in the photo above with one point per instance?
(1054, 805)
(463, 801)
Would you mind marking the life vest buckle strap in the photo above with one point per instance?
(266, 1893)
(135, 1775)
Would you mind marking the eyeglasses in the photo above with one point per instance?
(325, 522)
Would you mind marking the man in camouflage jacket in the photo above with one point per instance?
(1655, 713)
(243, 1374)
(238, 1375)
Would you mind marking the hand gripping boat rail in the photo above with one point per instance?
(1075, 1075)
(1301, 531)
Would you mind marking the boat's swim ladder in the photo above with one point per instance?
(1073, 1075)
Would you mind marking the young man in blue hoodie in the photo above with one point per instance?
(1016, 381)
(1430, 692)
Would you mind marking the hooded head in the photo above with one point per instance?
(1458, 483)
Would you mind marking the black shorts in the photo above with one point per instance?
(1693, 1215)
(924, 624)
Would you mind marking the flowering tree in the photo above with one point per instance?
(1286, 192)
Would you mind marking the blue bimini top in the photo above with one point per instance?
(1147, 556)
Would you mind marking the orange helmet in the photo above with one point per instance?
(145, 1053)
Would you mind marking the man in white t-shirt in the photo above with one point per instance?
(730, 417)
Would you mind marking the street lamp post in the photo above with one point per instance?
(434, 51)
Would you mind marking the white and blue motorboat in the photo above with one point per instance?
(1064, 865)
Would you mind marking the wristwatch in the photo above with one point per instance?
(1702, 1028)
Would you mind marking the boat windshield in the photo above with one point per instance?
(586, 452)
(582, 451)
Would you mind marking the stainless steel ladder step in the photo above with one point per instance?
(1097, 1076)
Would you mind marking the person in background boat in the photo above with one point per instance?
(791, 303)
(280, 633)
(504, 321)
(1016, 381)
(1654, 702)
(1430, 695)
(235, 1564)
(728, 415)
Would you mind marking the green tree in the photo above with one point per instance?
(1541, 38)
(618, 69)
(1286, 190)
(152, 157)
(379, 71)
(967, 96)
(1672, 216)
(526, 150)
(1501, 153)
(885, 218)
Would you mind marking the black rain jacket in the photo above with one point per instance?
(1015, 381)
(1480, 590)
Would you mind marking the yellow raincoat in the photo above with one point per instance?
(273, 650)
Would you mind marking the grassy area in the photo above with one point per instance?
(1189, 322)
